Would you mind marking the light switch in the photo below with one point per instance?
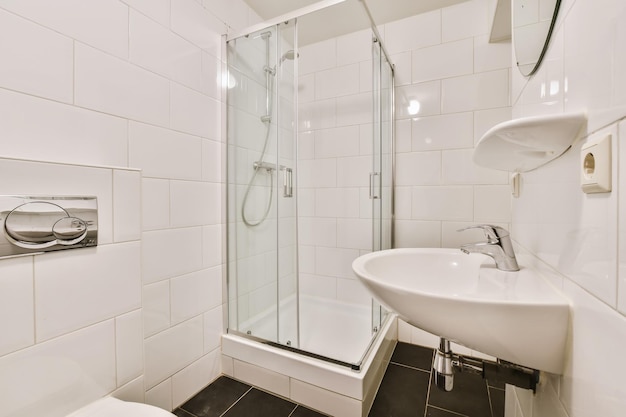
(595, 166)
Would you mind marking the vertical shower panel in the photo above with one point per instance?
(287, 178)
(335, 117)
(261, 167)
(382, 161)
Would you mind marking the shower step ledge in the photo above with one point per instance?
(358, 389)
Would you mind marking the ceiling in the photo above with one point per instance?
(343, 16)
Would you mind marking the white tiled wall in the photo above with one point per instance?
(86, 93)
(462, 85)
(122, 100)
(444, 61)
(578, 237)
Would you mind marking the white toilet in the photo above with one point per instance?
(49, 385)
(112, 407)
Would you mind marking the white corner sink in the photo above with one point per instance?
(515, 316)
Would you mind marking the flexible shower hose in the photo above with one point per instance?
(268, 122)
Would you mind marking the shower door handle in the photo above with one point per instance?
(374, 185)
(287, 182)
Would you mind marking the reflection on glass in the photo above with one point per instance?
(414, 107)
(533, 21)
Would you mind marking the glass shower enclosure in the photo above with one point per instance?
(310, 180)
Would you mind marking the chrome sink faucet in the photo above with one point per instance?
(498, 246)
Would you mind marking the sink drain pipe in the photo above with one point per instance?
(444, 372)
(446, 363)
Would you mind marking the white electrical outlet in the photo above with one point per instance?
(595, 166)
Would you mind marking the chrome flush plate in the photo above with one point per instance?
(32, 225)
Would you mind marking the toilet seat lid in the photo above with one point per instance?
(112, 407)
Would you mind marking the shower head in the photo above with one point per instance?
(289, 55)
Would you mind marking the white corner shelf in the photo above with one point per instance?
(524, 144)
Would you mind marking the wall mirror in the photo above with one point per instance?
(533, 21)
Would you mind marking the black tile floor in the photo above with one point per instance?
(407, 389)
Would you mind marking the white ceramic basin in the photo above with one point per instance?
(515, 316)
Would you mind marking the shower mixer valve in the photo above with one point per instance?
(287, 175)
(268, 166)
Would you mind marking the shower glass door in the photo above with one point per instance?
(309, 107)
(261, 173)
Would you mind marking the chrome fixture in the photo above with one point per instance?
(498, 246)
(34, 225)
(287, 182)
(289, 55)
(266, 119)
(444, 372)
(269, 70)
(447, 363)
(375, 183)
(267, 166)
(287, 175)
(270, 73)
